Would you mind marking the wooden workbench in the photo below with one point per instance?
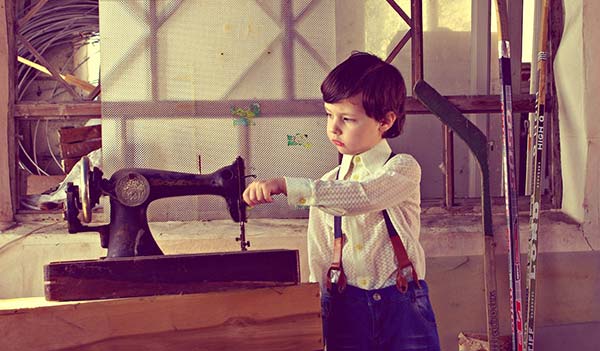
(278, 318)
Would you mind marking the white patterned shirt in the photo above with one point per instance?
(367, 184)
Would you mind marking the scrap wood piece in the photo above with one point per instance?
(83, 148)
(479, 342)
(77, 142)
(69, 78)
(73, 135)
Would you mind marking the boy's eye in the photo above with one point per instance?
(328, 115)
(346, 119)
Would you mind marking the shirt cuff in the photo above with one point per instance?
(299, 192)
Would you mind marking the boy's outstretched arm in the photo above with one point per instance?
(260, 191)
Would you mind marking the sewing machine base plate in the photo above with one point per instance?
(169, 274)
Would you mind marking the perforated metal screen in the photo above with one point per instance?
(184, 80)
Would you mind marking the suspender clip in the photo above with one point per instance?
(405, 275)
(336, 275)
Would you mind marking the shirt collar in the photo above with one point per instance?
(372, 159)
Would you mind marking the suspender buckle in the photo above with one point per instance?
(336, 275)
(405, 275)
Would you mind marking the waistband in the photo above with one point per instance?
(384, 293)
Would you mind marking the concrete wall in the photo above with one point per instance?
(577, 89)
(568, 276)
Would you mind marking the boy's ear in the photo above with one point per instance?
(387, 121)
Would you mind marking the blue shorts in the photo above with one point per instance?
(378, 320)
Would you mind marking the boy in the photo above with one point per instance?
(366, 211)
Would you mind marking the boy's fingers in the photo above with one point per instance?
(249, 194)
(256, 195)
(258, 192)
(266, 194)
(246, 196)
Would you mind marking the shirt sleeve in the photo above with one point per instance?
(392, 184)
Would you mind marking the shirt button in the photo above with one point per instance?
(363, 283)
(359, 247)
(376, 297)
(357, 159)
(302, 201)
(356, 177)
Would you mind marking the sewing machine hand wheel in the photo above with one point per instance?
(84, 190)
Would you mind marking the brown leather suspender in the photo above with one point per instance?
(406, 271)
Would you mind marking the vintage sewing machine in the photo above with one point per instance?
(135, 265)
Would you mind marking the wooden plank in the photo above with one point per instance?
(281, 318)
(7, 98)
(73, 135)
(63, 110)
(288, 108)
(169, 274)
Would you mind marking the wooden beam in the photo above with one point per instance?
(400, 12)
(61, 110)
(289, 108)
(261, 319)
(7, 98)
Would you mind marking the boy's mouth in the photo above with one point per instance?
(337, 143)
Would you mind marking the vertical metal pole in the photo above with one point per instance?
(8, 59)
(448, 166)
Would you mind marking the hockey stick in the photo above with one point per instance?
(477, 143)
(537, 152)
(510, 181)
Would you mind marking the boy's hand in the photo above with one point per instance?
(260, 191)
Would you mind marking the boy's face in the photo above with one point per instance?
(350, 129)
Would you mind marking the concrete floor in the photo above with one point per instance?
(568, 311)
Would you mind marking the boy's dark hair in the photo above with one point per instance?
(380, 83)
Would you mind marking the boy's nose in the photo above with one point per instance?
(333, 127)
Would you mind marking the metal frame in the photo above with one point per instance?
(465, 103)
